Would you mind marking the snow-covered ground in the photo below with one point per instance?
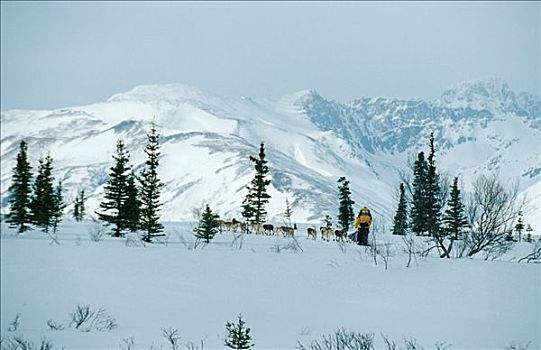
(284, 296)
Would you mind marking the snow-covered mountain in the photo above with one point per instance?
(480, 127)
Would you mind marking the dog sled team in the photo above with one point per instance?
(267, 229)
(360, 236)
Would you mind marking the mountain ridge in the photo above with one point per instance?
(310, 140)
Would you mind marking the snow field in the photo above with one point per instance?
(284, 297)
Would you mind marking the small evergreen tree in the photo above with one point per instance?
(454, 219)
(115, 191)
(208, 227)
(132, 206)
(418, 215)
(76, 211)
(519, 226)
(257, 197)
(345, 211)
(287, 213)
(20, 192)
(58, 206)
(79, 206)
(43, 201)
(238, 336)
(400, 223)
(150, 188)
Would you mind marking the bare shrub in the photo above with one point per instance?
(442, 346)
(102, 321)
(193, 346)
(14, 325)
(238, 240)
(292, 245)
(389, 344)
(409, 247)
(96, 232)
(411, 344)
(163, 239)
(81, 315)
(54, 237)
(127, 343)
(187, 243)
(518, 347)
(535, 255)
(491, 212)
(54, 326)
(18, 342)
(172, 337)
(133, 240)
(341, 339)
(386, 251)
(86, 319)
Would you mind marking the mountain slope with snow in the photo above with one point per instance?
(310, 141)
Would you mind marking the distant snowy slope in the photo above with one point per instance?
(479, 126)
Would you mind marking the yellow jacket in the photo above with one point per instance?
(364, 217)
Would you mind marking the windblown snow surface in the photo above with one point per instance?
(285, 296)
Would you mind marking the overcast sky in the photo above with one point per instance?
(72, 53)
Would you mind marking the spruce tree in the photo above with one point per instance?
(248, 210)
(238, 336)
(76, 211)
(418, 214)
(257, 197)
(150, 188)
(132, 206)
(58, 206)
(400, 223)
(79, 206)
(43, 201)
(20, 192)
(345, 211)
(115, 191)
(454, 219)
(519, 226)
(287, 213)
(208, 227)
(433, 207)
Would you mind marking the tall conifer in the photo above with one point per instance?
(115, 191)
(345, 210)
(20, 192)
(433, 207)
(79, 206)
(418, 214)
(454, 219)
(132, 207)
(150, 188)
(58, 206)
(257, 197)
(43, 201)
